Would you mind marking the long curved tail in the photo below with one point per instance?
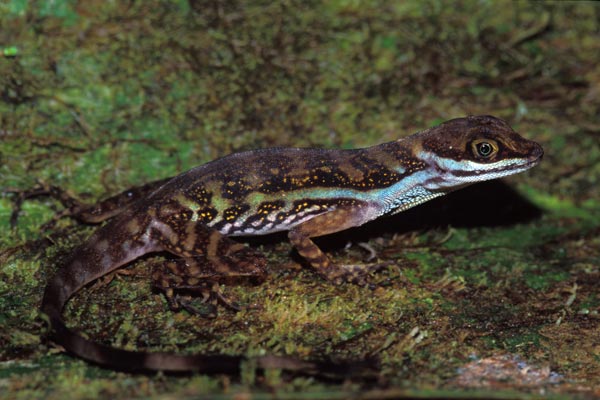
(89, 262)
(133, 361)
(93, 260)
(137, 361)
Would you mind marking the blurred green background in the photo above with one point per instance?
(496, 293)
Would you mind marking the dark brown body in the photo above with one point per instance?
(308, 192)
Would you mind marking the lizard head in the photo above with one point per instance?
(475, 148)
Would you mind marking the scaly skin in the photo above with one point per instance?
(307, 192)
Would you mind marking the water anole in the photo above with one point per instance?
(306, 192)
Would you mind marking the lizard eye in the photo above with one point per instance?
(484, 148)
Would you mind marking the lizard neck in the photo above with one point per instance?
(414, 174)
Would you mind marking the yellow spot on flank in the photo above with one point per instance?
(102, 245)
(133, 226)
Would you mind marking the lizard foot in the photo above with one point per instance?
(203, 306)
(357, 274)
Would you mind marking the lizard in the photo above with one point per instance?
(307, 192)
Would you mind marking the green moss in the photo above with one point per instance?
(430, 264)
(541, 280)
(518, 343)
(564, 207)
(100, 96)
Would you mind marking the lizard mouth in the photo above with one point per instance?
(534, 159)
(499, 171)
(533, 163)
(455, 176)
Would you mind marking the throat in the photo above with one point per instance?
(411, 191)
(411, 198)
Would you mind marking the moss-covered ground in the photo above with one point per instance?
(494, 291)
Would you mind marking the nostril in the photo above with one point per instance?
(537, 151)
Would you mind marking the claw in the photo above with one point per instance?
(207, 310)
(358, 274)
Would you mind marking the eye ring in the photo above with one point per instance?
(484, 148)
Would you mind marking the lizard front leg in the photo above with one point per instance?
(341, 218)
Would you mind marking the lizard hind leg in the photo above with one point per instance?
(79, 210)
(179, 278)
(104, 209)
(212, 259)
